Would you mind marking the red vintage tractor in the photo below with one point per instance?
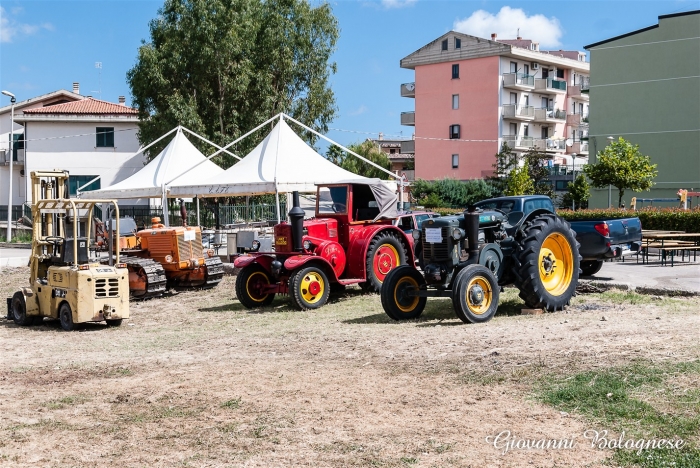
(351, 240)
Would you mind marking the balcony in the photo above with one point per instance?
(408, 90)
(522, 142)
(18, 159)
(577, 120)
(552, 145)
(519, 81)
(408, 118)
(512, 111)
(408, 147)
(550, 86)
(550, 115)
(579, 147)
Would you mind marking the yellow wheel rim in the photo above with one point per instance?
(405, 303)
(556, 264)
(312, 287)
(255, 280)
(479, 295)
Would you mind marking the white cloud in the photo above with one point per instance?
(505, 23)
(10, 29)
(360, 110)
(397, 3)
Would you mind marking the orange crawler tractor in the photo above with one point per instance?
(162, 254)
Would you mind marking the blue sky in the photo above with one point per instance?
(47, 45)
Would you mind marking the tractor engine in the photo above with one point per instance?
(452, 240)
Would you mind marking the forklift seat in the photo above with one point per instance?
(65, 256)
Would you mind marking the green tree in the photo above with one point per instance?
(538, 170)
(367, 149)
(450, 192)
(622, 165)
(577, 194)
(221, 67)
(506, 160)
(519, 182)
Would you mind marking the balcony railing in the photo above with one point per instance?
(6, 154)
(547, 115)
(410, 174)
(577, 120)
(408, 90)
(408, 118)
(520, 142)
(512, 111)
(579, 147)
(555, 145)
(408, 147)
(550, 85)
(518, 80)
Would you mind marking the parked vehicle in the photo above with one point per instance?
(351, 240)
(407, 221)
(469, 257)
(600, 239)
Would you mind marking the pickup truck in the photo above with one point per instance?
(600, 239)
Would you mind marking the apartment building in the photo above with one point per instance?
(473, 94)
(645, 87)
(88, 137)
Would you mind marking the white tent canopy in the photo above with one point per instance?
(179, 156)
(282, 162)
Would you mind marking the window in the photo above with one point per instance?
(514, 98)
(454, 132)
(526, 69)
(455, 161)
(513, 129)
(455, 101)
(444, 44)
(17, 144)
(560, 73)
(105, 137)
(527, 99)
(332, 200)
(513, 67)
(562, 184)
(458, 43)
(455, 71)
(526, 130)
(545, 133)
(392, 151)
(77, 181)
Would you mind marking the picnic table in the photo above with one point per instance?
(670, 243)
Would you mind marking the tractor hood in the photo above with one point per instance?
(486, 219)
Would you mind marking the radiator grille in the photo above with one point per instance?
(190, 249)
(436, 252)
(106, 287)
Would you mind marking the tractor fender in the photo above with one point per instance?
(532, 215)
(262, 260)
(30, 301)
(298, 261)
(360, 238)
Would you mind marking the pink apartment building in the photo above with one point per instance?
(473, 94)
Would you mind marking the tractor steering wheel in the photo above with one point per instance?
(54, 240)
(339, 207)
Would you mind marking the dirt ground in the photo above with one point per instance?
(194, 379)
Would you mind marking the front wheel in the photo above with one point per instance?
(251, 285)
(475, 294)
(591, 267)
(309, 288)
(397, 299)
(114, 322)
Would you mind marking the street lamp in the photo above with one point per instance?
(12, 141)
(610, 140)
(573, 179)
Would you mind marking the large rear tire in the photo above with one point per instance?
(309, 288)
(396, 301)
(19, 311)
(250, 284)
(591, 267)
(385, 253)
(547, 263)
(65, 315)
(475, 294)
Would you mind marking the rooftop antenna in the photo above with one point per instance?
(518, 33)
(98, 65)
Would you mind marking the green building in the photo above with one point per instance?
(645, 87)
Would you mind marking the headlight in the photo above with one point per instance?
(255, 245)
(456, 233)
(168, 259)
(416, 234)
(307, 245)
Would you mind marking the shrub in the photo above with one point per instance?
(664, 219)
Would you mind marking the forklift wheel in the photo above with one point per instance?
(475, 294)
(19, 311)
(114, 323)
(396, 301)
(66, 317)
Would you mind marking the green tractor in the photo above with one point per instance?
(470, 257)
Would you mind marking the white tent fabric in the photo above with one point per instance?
(179, 156)
(282, 162)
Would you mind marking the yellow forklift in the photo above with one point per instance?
(64, 283)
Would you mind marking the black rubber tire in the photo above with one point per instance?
(19, 311)
(242, 293)
(461, 290)
(527, 262)
(591, 267)
(381, 239)
(366, 286)
(396, 305)
(65, 315)
(114, 323)
(297, 288)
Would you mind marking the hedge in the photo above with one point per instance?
(663, 219)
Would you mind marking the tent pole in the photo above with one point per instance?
(199, 223)
(277, 152)
(166, 220)
(277, 199)
(247, 208)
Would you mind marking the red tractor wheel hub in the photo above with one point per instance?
(315, 287)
